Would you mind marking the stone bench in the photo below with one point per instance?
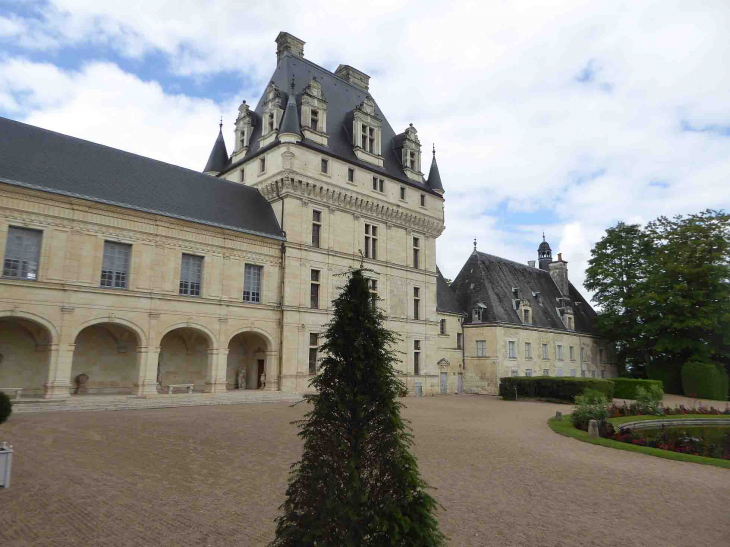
(188, 386)
(17, 390)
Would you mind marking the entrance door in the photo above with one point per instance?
(444, 382)
(260, 372)
(459, 383)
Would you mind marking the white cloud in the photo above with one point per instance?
(495, 84)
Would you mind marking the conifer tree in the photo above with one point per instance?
(357, 482)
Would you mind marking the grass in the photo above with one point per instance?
(565, 427)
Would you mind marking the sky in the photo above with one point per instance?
(563, 117)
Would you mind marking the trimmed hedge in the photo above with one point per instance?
(705, 380)
(6, 407)
(671, 378)
(625, 388)
(550, 387)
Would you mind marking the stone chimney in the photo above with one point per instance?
(353, 76)
(559, 273)
(531, 263)
(286, 43)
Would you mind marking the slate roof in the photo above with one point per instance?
(52, 162)
(290, 121)
(342, 98)
(489, 279)
(434, 178)
(218, 158)
(445, 298)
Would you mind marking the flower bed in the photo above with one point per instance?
(637, 409)
(710, 442)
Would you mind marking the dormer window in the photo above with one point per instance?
(366, 132)
(244, 126)
(271, 122)
(314, 113)
(413, 161)
(271, 114)
(408, 147)
(314, 119)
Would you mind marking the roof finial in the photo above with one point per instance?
(292, 84)
(543, 236)
(220, 125)
(475, 245)
(434, 150)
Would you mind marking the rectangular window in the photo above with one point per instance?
(350, 175)
(314, 119)
(252, 276)
(403, 193)
(423, 200)
(412, 160)
(314, 295)
(559, 352)
(378, 184)
(546, 372)
(22, 253)
(416, 302)
(511, 350)
(515, 372)
(572, 353)
(481, 348)
(371, 140)
(191, 275)
(371, 241)
(243, 175)
(313, 347)
(325, 166)
(262, 164)
(316, 227)
(374, 292)
(600, 355)
(559, 372)
(442, 326)
(416, 251)
(593, 374)
(416, 357)
(603, 373)
(528, 350)
(115, 265)
(572, 373)
(528, 372)
(544, 351)
(526, 315)
(458, 340)
(581, 355)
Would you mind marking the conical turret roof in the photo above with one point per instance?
(218, 158)
(290, 122)
(434, 178)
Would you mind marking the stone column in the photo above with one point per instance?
(271, 366)
(217, 364)
(60, 361)
(147, 363)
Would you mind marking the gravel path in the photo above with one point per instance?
(216, 476)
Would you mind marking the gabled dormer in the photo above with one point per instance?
(408, 149)
(366, 132)
(314, 113)
(244, 127)
(271, 115)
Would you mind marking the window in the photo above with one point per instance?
(316, 227)
(423, 200)
(528, 350)
(572, 373)
(458, 340)
(314, 300)
(22, 253)
(416, 301)
(371, 241)
(544, 351)
(593, 374)
(572, 353)
(442, 326)
(191, 275)
(378, 184)
(371, 140)
(243, 175)
(603, 373)
(600, 355)
(325, 166)
(314, 119)
(416, 250)
(115, 265)
(481, 348)
(403, 193)
(546, 372)
(526, 315)
(528, 372)
(252, 283)
(262, 164)
(313, 347)
(581, 355)
(570, 322)
(271, 122)
(582, 373)
(416, 357)
(350, 175)
(559, 352)
(512, 353)
(412, 160)
(515, 372)
(559, 372)
(374, 292)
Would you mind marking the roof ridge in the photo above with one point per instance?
(526, 266)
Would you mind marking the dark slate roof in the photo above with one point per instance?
(342, 98)
(445, 299)
(51, 162)
(218, 158)
(434, 178)
(489, 279)
(290, 121)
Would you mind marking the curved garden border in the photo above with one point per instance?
(565, 427)
(638, 425)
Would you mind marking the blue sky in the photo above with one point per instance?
(564, 117)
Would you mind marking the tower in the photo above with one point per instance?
(544, 254)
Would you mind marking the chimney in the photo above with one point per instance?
(286, 43)
(353, 76)
(559, 273)
(531, 263)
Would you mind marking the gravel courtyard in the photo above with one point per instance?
(216, 475)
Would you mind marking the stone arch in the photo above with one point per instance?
(263, 333)
(186, 356)
(139, 331)
(250, 351)
(212, 339)
(26, 343)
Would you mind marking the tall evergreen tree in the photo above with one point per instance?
(357, 482)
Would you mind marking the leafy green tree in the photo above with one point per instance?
(357, 482)
(616, 269)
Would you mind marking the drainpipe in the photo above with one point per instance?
(282, 283)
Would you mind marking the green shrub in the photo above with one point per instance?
(6, 407)
(592, 405)
(705, 380)
(625, 388)
(671, 378)
(649, 401)
(547, 387)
